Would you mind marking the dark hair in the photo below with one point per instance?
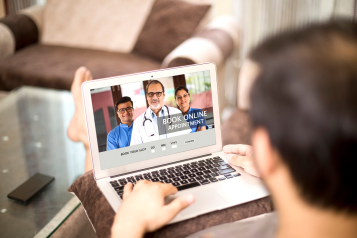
(305, 96)
(123, 100)
(154, 82)
(181, 87)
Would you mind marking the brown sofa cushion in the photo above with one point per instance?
(169, 23)
(54, 66)
(237, 128)
(101, 214)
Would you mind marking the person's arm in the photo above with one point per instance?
(143, 209)
(202, 126)
(111, 141)
(135, 134)
(199, 128)
(242, 156)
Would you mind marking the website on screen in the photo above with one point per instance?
(153, 118)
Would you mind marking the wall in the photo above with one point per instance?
(2, 8)
(103, 100)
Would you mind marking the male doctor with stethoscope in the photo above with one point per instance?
(145, 128)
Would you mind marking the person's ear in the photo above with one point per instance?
(266, 157)
(118, 114)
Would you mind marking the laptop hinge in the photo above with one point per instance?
(158, 166)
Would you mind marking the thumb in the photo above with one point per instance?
(198, 127)
(237, 159)
(246, 162)
(177, 205)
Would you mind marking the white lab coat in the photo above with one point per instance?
(139, 135)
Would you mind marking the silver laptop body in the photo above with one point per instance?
(192, 162)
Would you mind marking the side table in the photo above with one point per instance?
(33, 123)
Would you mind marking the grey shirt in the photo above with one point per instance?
(263, 226)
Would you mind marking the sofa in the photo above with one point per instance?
(44, 45)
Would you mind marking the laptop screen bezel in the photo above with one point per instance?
(157, 74)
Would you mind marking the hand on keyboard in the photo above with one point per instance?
(242, 156)
(144, 210)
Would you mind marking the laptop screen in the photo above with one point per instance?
(153, 118)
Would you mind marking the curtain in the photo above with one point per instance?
(262, 18)
(14, 6)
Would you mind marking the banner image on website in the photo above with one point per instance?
(153, 118)
(137, 113)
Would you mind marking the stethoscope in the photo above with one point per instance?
(152, 124)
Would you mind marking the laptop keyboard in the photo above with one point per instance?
(183, 176)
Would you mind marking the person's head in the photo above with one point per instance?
(125, 110)
(155, 94)
(182, 97)
(304, 113)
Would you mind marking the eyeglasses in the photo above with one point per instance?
(122, 110)
(184, 96)
(158, 94)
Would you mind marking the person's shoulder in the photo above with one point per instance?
(174, 110)
(134, 123)
(114, 131)
(138, 119)
(196, 109)
(140, 116)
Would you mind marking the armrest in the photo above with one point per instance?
(214, 43)
(19, 30)
(36, 14)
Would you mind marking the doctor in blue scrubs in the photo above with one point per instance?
(193, 116)
(120, 136)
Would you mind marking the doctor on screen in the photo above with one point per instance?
(120, 136)
(145, 127)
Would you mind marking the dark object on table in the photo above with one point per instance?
(30, 188)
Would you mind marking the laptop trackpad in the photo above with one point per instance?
(207, 200)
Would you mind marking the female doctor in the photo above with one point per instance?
(193, 116)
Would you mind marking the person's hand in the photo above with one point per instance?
(144, 210)
(242, 156)
(199, 128)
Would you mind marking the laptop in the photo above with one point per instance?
(175, 146)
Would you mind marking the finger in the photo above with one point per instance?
(140, 184)
(245, 150)
(167, 189)
(238, 149)
(253, 171)
(242, 161)
(170, 211)
(128, 188)
(246, 162)
(88, 76)
(198, 127)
